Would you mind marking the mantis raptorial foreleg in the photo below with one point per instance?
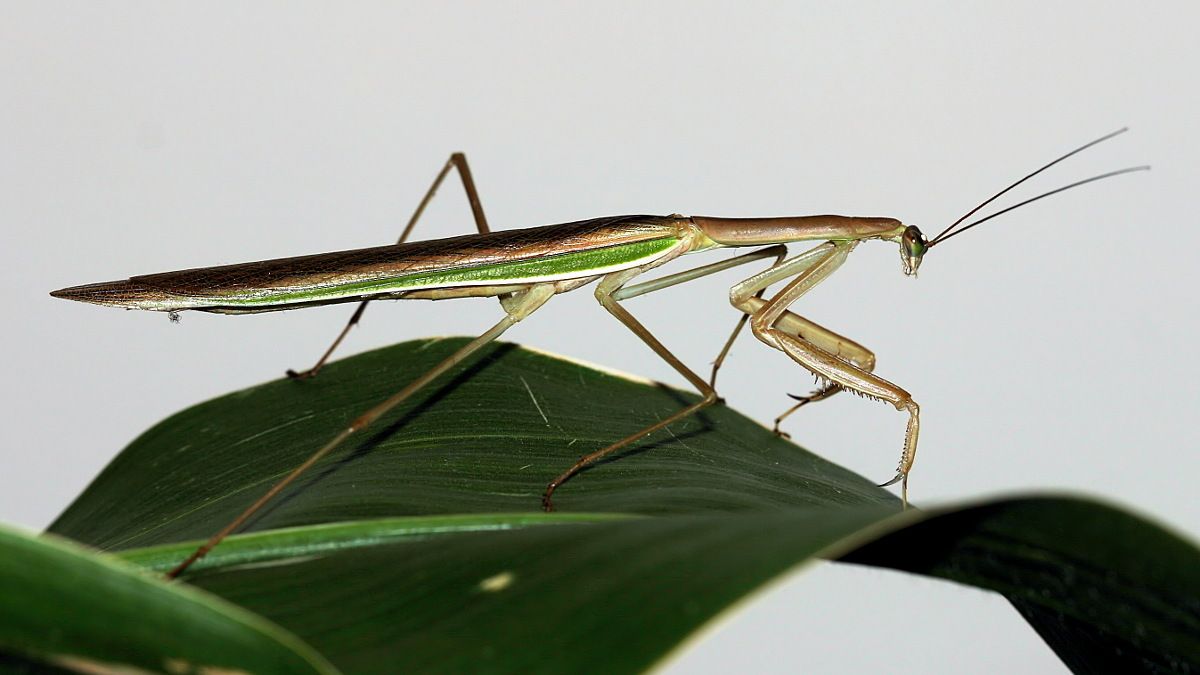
(517, 306)
(827, 340)
(822, 352)
(457, 161)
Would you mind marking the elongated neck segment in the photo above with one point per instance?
(760, 231)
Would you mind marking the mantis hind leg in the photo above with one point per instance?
(457, 161)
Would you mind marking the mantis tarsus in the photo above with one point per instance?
(524, 268)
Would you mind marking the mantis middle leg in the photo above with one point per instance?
(610, 292)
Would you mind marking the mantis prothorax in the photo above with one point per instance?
(526, 267)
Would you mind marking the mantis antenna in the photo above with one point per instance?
(1110, 174)
(943, 234)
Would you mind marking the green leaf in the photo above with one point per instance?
(421, 546)
(62, 605)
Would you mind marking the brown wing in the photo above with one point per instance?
(382, 262)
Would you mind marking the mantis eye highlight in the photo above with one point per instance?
(912, 249)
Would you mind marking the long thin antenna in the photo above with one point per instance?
(996, 196)
(1085, 181)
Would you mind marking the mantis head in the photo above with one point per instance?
(912, 249)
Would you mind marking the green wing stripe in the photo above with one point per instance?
(566, 266)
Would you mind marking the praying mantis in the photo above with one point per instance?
(525, 268)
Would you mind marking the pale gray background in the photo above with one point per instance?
(1052, 349)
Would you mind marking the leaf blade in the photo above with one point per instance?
(477, 449)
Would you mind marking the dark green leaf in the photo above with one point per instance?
(1109, 591)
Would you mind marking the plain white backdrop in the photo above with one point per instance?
(1052, 349)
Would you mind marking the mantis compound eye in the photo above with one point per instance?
(912, 249)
